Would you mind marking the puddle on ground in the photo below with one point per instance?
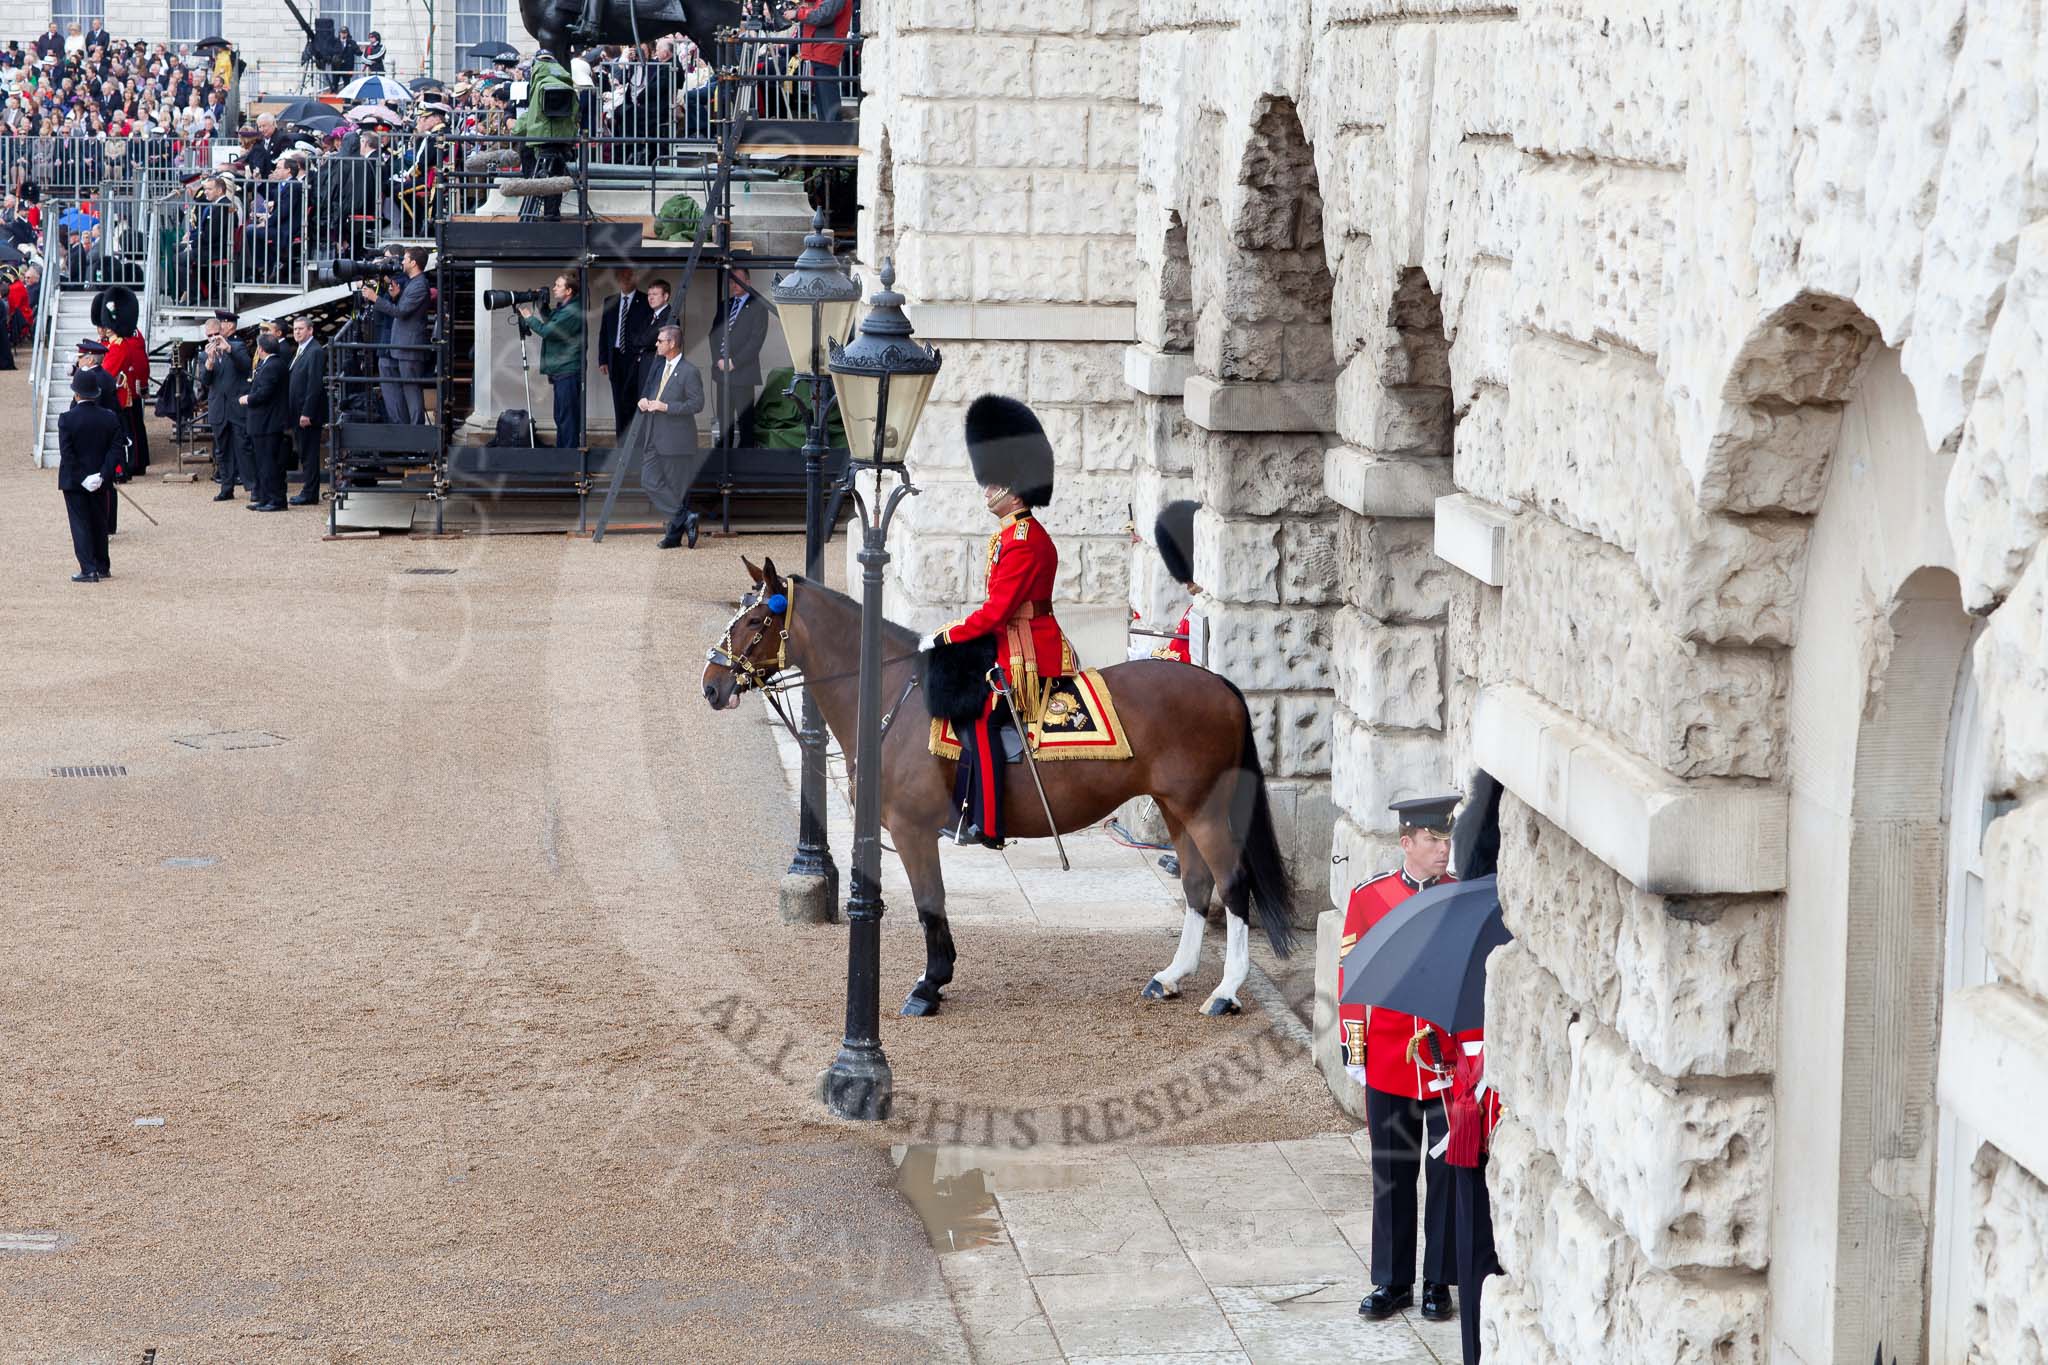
(953, 1190)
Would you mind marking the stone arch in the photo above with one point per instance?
(1875, 670)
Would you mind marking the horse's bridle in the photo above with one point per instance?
(749, 675)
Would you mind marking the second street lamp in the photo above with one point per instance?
(883, 378)
(815, 303)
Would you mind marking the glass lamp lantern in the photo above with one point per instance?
(815, 301)
(883, 377)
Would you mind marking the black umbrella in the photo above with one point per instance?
(486, 51)
(10, 254)
(211, 44)
(426, 83)
(322, 123)
(1427, 957)
(298, 111)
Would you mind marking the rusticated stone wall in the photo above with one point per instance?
(1572, 386)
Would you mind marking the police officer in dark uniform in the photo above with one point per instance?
(1397, 1058)
(89, 442)
(107, 394)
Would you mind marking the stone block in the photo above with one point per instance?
(941, 199)
(1521, 1177)
(1113, 137)
(1375, 768)
(1327, 1039)
(1589, 441)
(1480, 457)
(1473, 536)
(942, 266)
(1026, 133)
(949, 66)
(1030, 270)
(1242, 476)
(1509, 1329)
(1377, 486)
(1391, 420)
(1218, 406)
(939, 569)
(1600, 650)
(1358, 854)
(1589, 260)
(1076, 372)
(1033, 16)
(1998, 490)
(1302, 732)
(1306, 357)
(1612, 91)
(1666, 836)
(1110, 438)
(2012, 678)
(2011, 1205)
(1390, 569)
(1112, 270)
(936, 133)
(1270, 648)
(1099, 203)
(1161, 374)
(1689, 982)
(1528, 1052)
(1686, 1172)
(973, 368)
(2015, 870)
(1309, 569)
(1170, 443)
(1389, 676)
(1091, 68)
(1237, 561)
(1105, 571)
(1994, 1069)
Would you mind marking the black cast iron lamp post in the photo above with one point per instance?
(883, 378)
(815, 303)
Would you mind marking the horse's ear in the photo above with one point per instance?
(752, 572)
(768, 573)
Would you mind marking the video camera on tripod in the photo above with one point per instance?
(344, 271)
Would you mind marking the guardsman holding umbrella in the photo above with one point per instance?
(1396, 1058)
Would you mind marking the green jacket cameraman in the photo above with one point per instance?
(559, 321)
(547, 74)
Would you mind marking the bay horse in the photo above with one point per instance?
(1192, 751)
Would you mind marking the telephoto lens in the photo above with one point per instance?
(509, 298)
(343, 271)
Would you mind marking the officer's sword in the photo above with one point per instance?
(1002, 684)
(137, 506)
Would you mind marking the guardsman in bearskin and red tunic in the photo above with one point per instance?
(127, 360)
(1012, 460)
(1173, 532)
(1405, 1067)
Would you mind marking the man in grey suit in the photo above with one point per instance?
(737, 333)
(411, 313)
(663, 437)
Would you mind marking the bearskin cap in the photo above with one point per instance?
(1174, 534)
(1009, 448)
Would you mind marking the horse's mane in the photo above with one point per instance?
(891, 632)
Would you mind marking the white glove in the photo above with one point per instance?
(927, 642)
(1356, 1073)
(92, 483)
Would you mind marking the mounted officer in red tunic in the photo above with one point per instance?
(1013, 463)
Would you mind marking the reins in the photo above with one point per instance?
(773, 681)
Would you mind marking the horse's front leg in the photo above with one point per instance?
(1197, 885)
(919, 851)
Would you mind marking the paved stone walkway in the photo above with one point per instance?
(1223, 1255)
(1231, 1254)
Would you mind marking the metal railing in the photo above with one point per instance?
(773, 82)
(281, 80)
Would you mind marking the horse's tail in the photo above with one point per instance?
(1260, 878)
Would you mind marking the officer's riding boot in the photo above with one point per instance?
(978, 785)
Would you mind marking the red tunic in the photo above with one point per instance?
(128, 359)
(1022, 565)
(1472, 1116)
(1383, 1035)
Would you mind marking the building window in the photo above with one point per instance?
(477, 21)
(353, 15)
(79, 12)
(192, 20)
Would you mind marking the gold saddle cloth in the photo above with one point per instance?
(1076, 719)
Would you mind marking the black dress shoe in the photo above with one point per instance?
(303, 501)
(225, 495)
(85, 578)
(266, 507)
(690, 530)
(669, 541)
(1437, 1304)
(1387, 1300)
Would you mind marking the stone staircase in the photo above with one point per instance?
(73, 324)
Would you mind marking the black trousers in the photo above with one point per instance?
(1399, 1127)
(224, 456)
(87, 513)
(138, 438)
(269, 456)
(624, 374)
(307, 441)
(1474, 1230)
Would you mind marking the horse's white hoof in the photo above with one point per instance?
(1155, 989)
(1218, 1005)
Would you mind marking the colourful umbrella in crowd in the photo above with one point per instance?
(375, 89)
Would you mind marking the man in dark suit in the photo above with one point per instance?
(88, 444)
(619, 341)
(265, 401)
(664, 439)
(306, 408)
(737, 333)
(225, 364)
(412, 320)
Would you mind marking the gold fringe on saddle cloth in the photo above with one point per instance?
(1078, 720)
